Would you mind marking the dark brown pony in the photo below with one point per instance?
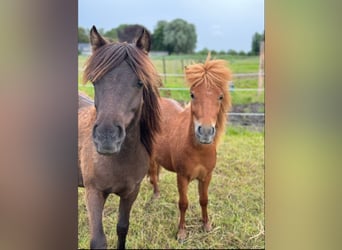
(116, 135)
(189, 137)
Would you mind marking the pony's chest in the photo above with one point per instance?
(199, 172)
(197, 166)
(120, 177)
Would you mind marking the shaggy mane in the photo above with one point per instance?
(112, 55)
(212, 73)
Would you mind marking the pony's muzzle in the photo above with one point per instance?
(108, 139)
(205, 134)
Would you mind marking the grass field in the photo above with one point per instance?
(236, 204)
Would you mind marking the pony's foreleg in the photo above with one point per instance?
(95, 201)
(153, 173)
(124, 214)
(203, 200)
(182, 183)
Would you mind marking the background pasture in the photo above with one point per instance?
(173, 66)
(236, 192)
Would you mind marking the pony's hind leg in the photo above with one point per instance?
(95, 201)
(182, 184)
(153, 173)
(203, 200)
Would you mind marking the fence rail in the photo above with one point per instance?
(246, 114)
(231, 89)
(236, 76)
(186, 89)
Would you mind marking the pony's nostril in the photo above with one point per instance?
(200, 130)
(212, 131)
(118, 130)
(94, 130)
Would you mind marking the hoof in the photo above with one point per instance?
(155, 196)
(207, 227)
(181, 235)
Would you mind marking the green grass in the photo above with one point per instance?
(174, 65)
(247, 97)
(236, 204)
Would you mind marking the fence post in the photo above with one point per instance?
(164, 69)
(182, 69)
(261, 68)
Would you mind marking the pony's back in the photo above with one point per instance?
(84, 100)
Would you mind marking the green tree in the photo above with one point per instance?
(204, 51)
(213, 52)
(242, 53)
(111, 34)
(180, 37)
(83, 35)
(256, 39)
(158, 37)
(232, 52)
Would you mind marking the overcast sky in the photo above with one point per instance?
(220, 24)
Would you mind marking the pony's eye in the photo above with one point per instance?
(140, 84)
(192, 95)
(220, 98)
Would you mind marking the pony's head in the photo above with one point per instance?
(210, 98)
(125, 83)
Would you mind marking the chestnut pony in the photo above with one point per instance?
(189, 136)
(116, 134)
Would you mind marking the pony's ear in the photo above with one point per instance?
(143, 41)
(96, 40)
